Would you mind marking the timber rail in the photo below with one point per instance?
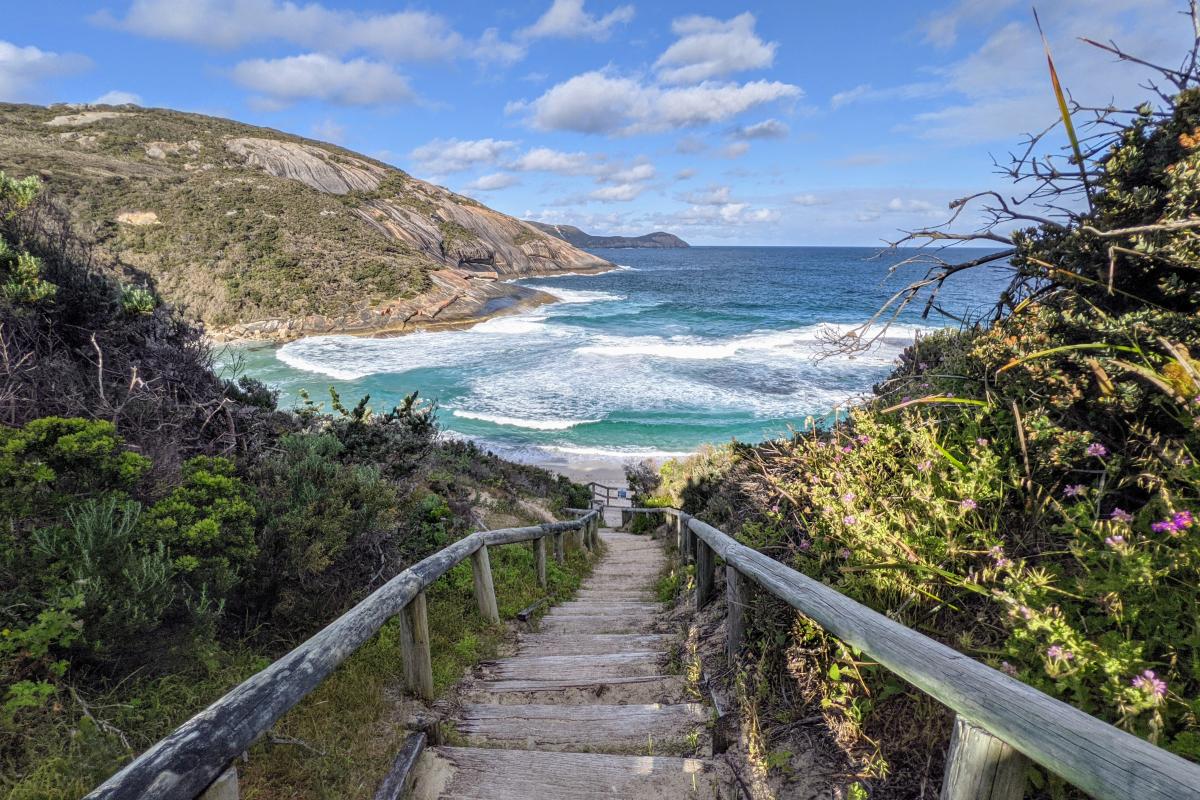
(195, 760)
(1000, 721)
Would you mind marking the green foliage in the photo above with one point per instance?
(137, 300)
(51, 461)
(316, 514)
(206, 524)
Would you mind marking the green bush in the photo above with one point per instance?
(206, 524)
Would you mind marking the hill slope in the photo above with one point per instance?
(261, 234)
(571, 234)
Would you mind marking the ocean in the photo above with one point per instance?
(676, 349)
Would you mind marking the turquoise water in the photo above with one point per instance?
(676, 349)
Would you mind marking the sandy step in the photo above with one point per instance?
(468, 773)
(556, 727)
(592, 644)
(576, 668)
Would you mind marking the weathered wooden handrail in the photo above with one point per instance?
(182, 765)
(1100, 759)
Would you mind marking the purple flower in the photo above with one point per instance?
(1116, 540)
(805, 544)
(925, 466)
(1096, 449)
(862, 438)
(848, 497)
(1008, 669)
(850, 520)
(1057, 653)
(844, 552)
(848, 448)
(1163, 526)
(1025, 612)
(1074, 490)
(1182, 519)
(1120, 515)
(922, 365)
(1150, 682)
(775, 508)
(967, 504)
(982, 443)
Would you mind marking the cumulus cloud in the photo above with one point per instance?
(116, 97)
(600, 102)
(23, 68)
(545, 159)
(316, 76)
(767, 129)
(441, 156)
(492, 49)
(567, 19)
(911, 206)
(399, 36)
(330, 131)
(735, 150)
(714, 195)
(711, 48)
(690, 145)
(621, 192)
(493, 181)
(806, 200)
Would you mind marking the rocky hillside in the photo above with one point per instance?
(572, 235)
(261, 234)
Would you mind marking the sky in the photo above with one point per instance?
(738, 123)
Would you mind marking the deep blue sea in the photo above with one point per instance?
(676, 349)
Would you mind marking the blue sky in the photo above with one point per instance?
(727, 123)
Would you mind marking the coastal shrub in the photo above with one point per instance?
(1026, 492)
(323, 524)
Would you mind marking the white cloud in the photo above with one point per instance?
(398, 36)
(633, 174)
(116, 97)
(712, 196)
(711, 48)
(598, 102)
(545, 159)
(685, 174)
(567, 19)
(806, 200)
(491, 49)
(22, 68)
(735, 150)
(455, 155)
(315, 76)
(330, 130)
(621, 192)
(690, 145)
(941, 29)
(767, 129)
(912, 206)
(492, 182)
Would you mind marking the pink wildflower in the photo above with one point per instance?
(1057, 653)
(805, 544)
(1096, 449)
(982, 443)
(1182, 519)
(848, 448)
(848, 497)
(1116, 540)
(1025, 612)
(1074, 490)
(850, 520)
(925, 466)
(967, 504)
(1120, 515)
(844, 552)
(1150, 682)
(1008, 669)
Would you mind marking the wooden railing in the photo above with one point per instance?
(604, 495)
(1000, 721)
(198, 754)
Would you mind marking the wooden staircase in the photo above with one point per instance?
(586, 708)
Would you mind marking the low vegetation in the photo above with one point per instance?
(1026, 491)
(166, 532)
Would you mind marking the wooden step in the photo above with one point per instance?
(586, 623)
(599, 667)
(468, 773)
(569, 644)
(588, 691)
(654, 726)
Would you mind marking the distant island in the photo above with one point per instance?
(576, 237)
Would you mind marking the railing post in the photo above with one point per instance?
(422, 661)
(981, 767)
(407, 650)
(580, 538)
(559, 556)
(735, 611)
(225, 787)
(485, 592)
(680, 526)
(704, 571)
(539, 559)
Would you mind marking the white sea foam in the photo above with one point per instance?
(576, 295)
(517, 422)
(616, 452)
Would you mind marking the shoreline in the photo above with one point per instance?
(285, 332)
